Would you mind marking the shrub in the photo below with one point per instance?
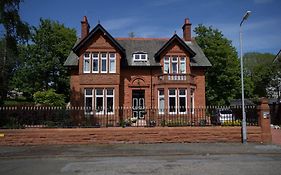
(232, 123)
(49, 97)
(174, 123)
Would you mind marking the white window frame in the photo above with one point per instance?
(84, 61)
(166, 61)
(177, 65)
(185, 96)
(97, 59)
(88, 96)
(140, 55)
(183, 61)
(103, 58)
(96, 96)
(175, 96)
(159, 97)
(112, 59)
(192, 99)
(107, 96)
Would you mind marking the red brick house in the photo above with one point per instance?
(108, 73)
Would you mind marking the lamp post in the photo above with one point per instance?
(244, 130)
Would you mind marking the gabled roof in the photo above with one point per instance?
(152, 46)
(199, 60)
(182, 43)
(72, 59)
(99, 27)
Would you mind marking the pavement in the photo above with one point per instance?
(131, 159)
(276, 136)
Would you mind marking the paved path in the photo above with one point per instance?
(129, 159)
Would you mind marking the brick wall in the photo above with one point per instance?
(127, 135)
(199, 94)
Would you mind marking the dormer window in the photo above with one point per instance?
(140, 56)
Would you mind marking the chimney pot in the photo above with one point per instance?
(186, 21)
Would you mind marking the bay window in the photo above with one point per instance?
(174, 64)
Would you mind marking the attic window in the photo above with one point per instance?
(140, 56)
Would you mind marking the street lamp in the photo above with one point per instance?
(244, 130)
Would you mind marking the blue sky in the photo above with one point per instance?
(161, 18)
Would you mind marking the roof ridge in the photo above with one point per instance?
(142, 39)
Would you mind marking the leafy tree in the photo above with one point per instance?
(223, 78)
(41, 63)
(252, 59)
(49, 97)
(274, 86)
(261, 76)
(259, 70)
(15, 31)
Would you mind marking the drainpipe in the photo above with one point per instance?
(150, 87)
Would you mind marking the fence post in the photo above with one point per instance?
(264, 120)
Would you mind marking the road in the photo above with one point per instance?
(131, 159)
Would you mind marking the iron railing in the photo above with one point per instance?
(38, 116)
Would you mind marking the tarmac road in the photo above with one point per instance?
(131, 159)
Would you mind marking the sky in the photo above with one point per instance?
(161, 18)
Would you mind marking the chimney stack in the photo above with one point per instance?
(186, 30)
(84, 27)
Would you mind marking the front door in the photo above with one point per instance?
(138, 104)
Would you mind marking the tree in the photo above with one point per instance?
(15, 31)
(259, 70)
(223, 78)
(41, 63)
(252, 59)
(49, 97)
(274, 87)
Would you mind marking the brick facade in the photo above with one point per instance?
(127, 79)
